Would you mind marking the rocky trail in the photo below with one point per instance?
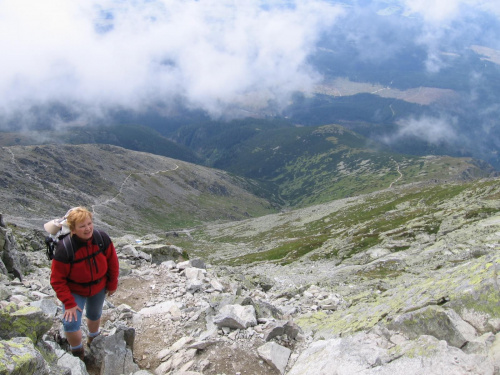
(430, 309)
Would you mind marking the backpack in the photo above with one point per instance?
(51, 243)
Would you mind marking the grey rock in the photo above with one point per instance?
(113, 354)
(370, 354)
(265, 309)
(280, 327)
(168, 265)
(19, 356)
(444, 324)
(27, 321)
(48, 306)
(5, 293)
(216, 285)
(197, 263)
(275, 355)
(202, 345)
(12, 259)
(160, 252)
(194, 285)
(75, 364)
(129, 251)
(194, 273)
(236, 316)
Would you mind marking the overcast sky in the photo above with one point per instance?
(213, 54)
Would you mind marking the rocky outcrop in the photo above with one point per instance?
(11, 261)
(419, 303)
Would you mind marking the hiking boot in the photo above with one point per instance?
(90, 339)
(80, 352)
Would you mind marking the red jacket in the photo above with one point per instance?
(85, 277)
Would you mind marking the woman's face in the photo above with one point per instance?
(84, 229)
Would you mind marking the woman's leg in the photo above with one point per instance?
(72, 330)
(74, 338)
(93, 313)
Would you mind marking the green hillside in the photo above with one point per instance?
(132, 137)
(300, 166)
(396, 219)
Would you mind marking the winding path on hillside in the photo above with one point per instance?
(122, 186)
(400, 175)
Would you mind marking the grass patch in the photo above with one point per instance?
(288, 252)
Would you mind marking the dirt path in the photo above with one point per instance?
(107, 201)
(400, 175)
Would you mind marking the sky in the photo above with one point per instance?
(94, 56)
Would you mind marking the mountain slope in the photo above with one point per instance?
(132, 137)
(301, 166)
(127, 190)
(344, 232)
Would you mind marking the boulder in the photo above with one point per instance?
(280, 327)
(368, 353)
(48, 306)
(444, 324)
(275, 355)
(113, 354)
(12, 260)
(236, 316)
(160, 253)
(27, 321)
(19, 356)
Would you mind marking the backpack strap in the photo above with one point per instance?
(68, 246)
(101, 241)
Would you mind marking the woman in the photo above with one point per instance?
(84, 268)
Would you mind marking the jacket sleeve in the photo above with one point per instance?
(59, 273)
(113, 268)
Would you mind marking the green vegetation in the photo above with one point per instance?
(377, 220)
(302, 166)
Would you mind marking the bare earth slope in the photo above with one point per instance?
(129, 190)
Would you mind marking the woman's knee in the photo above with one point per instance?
(72, 326)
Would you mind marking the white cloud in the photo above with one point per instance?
(434, 130)
(213, 53)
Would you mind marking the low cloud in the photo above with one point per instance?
(433, 130)
(94, 55)
(76, 61)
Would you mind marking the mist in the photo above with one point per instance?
(81, 62)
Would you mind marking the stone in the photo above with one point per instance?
(19, 356)
(236, 316)
(194, 285)
(5, 293)
(194, 273)
(29, 321)
(68, 360)
(161, 308)
(197, 263)
(129, 251)
(216, 285)
(275, 355)
(168, 265)
(48, 306)
(113, 354)
(202, 345)
(362, 353)
(436, 321)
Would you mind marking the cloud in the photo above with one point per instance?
(78, 60)
(94, 55)
(433, 130)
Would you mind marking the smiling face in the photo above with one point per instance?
(80, 223)
(84, 229)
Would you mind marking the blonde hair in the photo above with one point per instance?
(76, 215)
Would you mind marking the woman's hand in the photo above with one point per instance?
(111, 292)
(70, 314)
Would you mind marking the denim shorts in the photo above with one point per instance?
(93, 310)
